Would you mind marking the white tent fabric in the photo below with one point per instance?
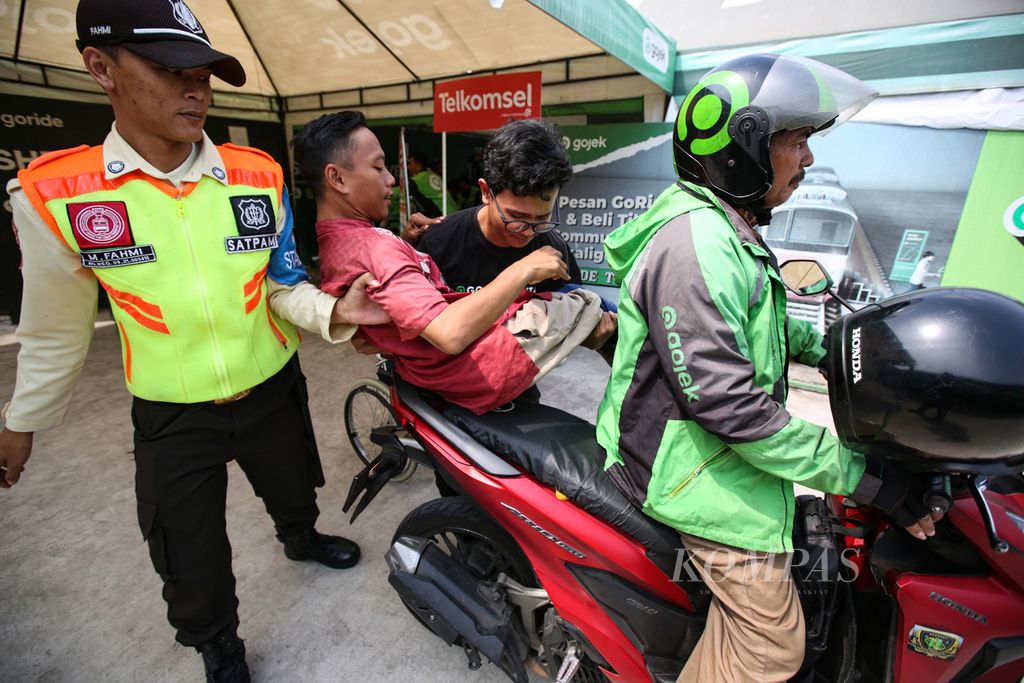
(716, 24)
(366, 42)
(318, 46)
(992, 109)
(320, 54)
(936, 63)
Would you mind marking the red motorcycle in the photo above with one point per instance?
(532, 552)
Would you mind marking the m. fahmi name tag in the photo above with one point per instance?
(244, 243)
(119, 256)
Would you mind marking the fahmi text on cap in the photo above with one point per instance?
(162, 31)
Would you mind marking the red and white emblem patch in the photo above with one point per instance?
(97, 225)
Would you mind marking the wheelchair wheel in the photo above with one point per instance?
(368, 406)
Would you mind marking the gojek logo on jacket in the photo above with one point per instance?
(675, 347)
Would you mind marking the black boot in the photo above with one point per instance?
(333, 551)
(224, 658)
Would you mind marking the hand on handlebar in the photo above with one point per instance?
(924, 527)
(899, 495)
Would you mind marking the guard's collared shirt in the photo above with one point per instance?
(59, 301)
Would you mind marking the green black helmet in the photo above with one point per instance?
(724, 124)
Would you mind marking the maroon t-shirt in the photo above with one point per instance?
(491, 371)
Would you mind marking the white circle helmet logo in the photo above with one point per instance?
(100, 224)
(1013, 218)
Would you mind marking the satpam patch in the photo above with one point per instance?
(100, 225)
(255, 224)
(240, 244)
(254, 215)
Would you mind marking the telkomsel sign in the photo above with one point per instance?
(486, 102)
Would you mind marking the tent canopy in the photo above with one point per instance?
(383, 56)
(940, 63)
(323, 46)
(714, 24)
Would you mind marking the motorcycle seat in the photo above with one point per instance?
(561, 450)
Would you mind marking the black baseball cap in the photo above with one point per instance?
(162, 31)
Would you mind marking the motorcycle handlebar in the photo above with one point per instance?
(938, 498)
(937, 494)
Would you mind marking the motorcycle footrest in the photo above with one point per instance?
(369, 481)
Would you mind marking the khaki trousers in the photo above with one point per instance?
(755, 628)
(548, 331)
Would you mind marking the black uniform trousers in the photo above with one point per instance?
(181, 453)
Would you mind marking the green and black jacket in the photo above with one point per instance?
(693, 418)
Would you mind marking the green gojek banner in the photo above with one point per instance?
(619, 169)
(622, 32)
(988, 251)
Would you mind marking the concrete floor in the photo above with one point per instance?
(80, 602)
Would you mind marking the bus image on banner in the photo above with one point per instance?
(819, 223)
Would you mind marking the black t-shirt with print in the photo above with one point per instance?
(468, 261)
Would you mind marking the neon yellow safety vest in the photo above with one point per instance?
(184, 268)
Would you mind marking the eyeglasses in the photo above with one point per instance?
(518, 226)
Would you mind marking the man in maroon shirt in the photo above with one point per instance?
(478, 350)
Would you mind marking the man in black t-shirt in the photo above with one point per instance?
(469, 260)
(525, 165)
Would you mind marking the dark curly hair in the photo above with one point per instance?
(527, 157)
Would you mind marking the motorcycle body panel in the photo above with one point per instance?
(1008, 517)
(641, 625)
(945, 621)
(556, 535)
(966, 612)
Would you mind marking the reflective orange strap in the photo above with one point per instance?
(39, 188)
(138, 309)
(277, 332)
(252, 167)
(127, 353)
(253, 290)
(70, 173)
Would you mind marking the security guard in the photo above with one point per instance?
(193, 244)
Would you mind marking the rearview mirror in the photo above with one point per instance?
(805, 277)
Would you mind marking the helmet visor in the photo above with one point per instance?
(798, 92)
